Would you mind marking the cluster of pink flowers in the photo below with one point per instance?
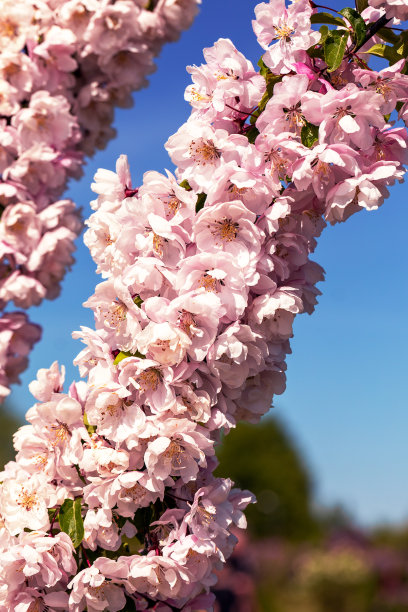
(203, 273)
(392, 8)
(64, 66)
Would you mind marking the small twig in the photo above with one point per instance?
(328, 8)
(373, 29)
(188, 501)
(239, 111)
(86, 556)
(53, 519)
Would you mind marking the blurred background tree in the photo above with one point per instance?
(9, 423)
(264, 459)
(297, 556)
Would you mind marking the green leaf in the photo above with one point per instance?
(186, 185)
(252, 134)
(328, 19)
(124, 354)
(138, 301)
(90, 428)
(388, 35)
(263, 69)
(334, 48)
(150, 5)
(201, 198)
(361, 5)
(401, 48)
(385, 51)
(317, 50)
(70, 520)
(52, 513)
(309, 134)
(270, 84)
(324, 32)
(357, 23)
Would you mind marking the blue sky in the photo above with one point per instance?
(345, 399)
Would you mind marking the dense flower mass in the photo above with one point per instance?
(64, 66)
(204, 272)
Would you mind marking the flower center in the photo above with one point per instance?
(27, 499)
(61, 432)
(40, 461)
(115, 314)
(205, 516)
(35, 606)
(41, 120)
(112, 22)
(97, 592)
(294, 117)
(197, 97)
(112, 409)
(278, 162)
(10, 70)
(173, 453)
(236, 191)
(150, 379)
(8, 28)
(204, 152)
(208, 282)
(343, 112)
(283, 32)
(226, 229)
(137, 492)
(186, 321)
(158, 242)
(173, 204)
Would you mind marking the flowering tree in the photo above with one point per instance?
(111, 503)
(64, 66)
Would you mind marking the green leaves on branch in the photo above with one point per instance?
(388, 35)
(328, 19)
(357, 23)
(334, 42)
(309, 134)
(392, 53)
(70, 520)
(361, 5)
(334, 48)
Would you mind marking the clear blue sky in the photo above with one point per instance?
(345, 402)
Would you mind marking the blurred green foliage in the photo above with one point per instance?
(264, 459)
(8, 426)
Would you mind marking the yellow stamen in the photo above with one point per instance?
(283, 32)
(150, 379)
(208, 282)
(204, 151)
(226, 229)
(28, 500)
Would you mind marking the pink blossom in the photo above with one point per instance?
(393, 8)
(344, 115)
(98, 587)
(290, 27)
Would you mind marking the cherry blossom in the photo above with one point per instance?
(64, 66)
(204, 272)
